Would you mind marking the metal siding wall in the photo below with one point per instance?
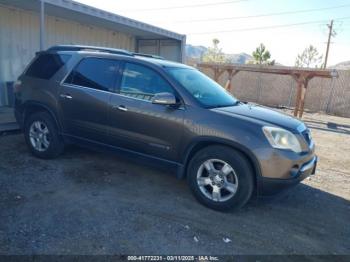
(169, 49)
(60, 31)
(17, 44)
(19, 40)
(148, 47)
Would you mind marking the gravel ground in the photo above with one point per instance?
(86, 202)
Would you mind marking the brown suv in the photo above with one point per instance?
(169, 113)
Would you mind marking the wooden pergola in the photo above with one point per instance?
(301, 75)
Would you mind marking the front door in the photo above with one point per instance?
(84, 98)
(139, 125)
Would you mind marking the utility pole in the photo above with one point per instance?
(330, 34)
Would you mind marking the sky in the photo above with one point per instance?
(203, 20)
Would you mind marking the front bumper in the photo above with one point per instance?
(271, 186)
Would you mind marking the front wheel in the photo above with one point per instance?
(220, 178)
(41, 135)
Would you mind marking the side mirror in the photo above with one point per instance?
(167, 99)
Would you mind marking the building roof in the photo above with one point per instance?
(82, 13)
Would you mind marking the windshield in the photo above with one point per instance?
(203, 88)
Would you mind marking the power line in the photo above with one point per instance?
(262, 15)
(185, 6)
(265, 27)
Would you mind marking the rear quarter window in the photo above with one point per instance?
(46, 65)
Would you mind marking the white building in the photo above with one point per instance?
(23, 32)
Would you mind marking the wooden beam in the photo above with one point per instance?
(280, 70)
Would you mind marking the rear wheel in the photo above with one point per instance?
(220, 178)
(42, 136)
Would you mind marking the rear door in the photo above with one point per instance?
(84, 98)
(139, 125)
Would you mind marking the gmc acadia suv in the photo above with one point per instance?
(166, 112)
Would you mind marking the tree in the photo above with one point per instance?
(214, 54)
(261, 56)
(309, 58)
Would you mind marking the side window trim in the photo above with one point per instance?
(114, 85)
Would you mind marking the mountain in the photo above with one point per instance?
(194, 54)
(241, 58)
(343, 65)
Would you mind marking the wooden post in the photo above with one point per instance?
(218, 73)
(302, 101)
(303, 95)
(302, 80)
(228, 82)
(228, 85)
(297, 99)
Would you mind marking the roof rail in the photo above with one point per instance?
(87, 48)
(101, 49)
(148, 55)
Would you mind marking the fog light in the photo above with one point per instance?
(294, 171)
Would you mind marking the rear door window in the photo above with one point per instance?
(96, 73)
(45, 66)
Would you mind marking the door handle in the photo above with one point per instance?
(66, 96)
(121, 108)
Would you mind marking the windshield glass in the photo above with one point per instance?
(203, 88)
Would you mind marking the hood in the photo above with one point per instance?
(262, 114)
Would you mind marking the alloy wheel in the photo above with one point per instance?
(217, 180)
(39, 136)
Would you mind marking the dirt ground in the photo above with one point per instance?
(87, 202)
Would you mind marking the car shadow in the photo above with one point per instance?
(328, 126)
(301, 208)
(104, 200)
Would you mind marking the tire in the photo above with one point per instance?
(41, 135)
(235, 185)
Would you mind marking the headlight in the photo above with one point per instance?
(281, 138)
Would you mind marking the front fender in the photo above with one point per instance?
(204, 141)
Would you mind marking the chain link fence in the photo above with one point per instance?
(326, 95)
